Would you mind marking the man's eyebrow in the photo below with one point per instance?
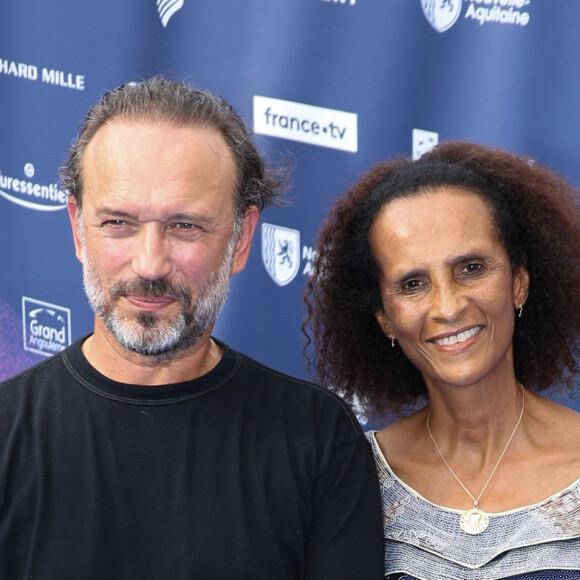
(106, 212)
(191, 217)
(176, 217)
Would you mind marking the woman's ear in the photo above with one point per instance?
(521, 284)
(384, 323)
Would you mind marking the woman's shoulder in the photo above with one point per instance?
(404, 446)
(548, 445)
(396, 437)
(552, 423)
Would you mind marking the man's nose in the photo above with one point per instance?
(151, 258)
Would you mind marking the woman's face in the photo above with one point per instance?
(448, 291)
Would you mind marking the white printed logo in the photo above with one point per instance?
(350, 2)
(423, 141)
(32, 195)
(280, 253)
(51, 76)
(499, 12)
(441, 14)
(306, 123)
(47, 328)
(167, 8)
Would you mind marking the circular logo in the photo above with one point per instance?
(29, 170)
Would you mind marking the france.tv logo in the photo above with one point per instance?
(47, 328)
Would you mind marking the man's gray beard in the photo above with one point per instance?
(146, 334)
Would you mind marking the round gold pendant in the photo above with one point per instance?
(474, 521)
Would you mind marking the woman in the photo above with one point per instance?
(450, 287)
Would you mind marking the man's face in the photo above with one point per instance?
(156, 233)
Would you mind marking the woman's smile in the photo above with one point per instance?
(458, 337)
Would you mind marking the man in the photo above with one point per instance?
(150, 449)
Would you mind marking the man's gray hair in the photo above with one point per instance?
(159, 99)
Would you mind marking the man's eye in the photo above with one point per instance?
(185, 231)
(118, 228)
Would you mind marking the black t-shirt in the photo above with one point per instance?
(244, 473)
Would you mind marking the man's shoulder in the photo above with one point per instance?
(26, 393)
(279, 378)
(36, 373)
(56, 364)
(296, 392)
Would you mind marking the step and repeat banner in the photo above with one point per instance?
(332, 85)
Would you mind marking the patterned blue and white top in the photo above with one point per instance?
(423, 541)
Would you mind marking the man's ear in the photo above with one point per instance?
(384, 323)
(244, 243)
(74, 214)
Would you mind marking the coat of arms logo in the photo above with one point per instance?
(280, 253)
(441, 14)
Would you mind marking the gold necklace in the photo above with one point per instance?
(475, 520)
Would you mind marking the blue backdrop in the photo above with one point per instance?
(335, 84)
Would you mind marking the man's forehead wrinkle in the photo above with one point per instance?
(228, 155)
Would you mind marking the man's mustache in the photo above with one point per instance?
(154, 288)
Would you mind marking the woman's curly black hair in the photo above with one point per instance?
(537, 217)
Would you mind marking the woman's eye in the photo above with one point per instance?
(472, 268)
(412, 285)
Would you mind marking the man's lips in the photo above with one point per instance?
(151, 303)
(459, 337)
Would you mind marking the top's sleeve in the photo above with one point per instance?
(346, 536)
